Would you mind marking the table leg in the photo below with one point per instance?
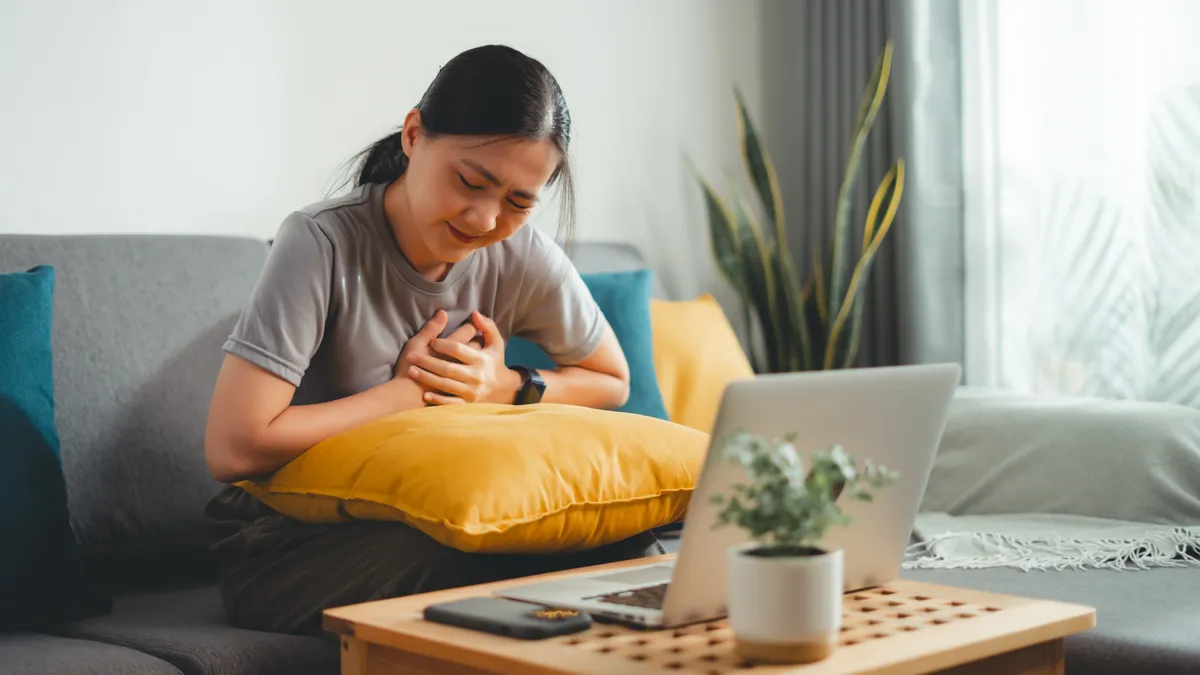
(354, 656)
(1040, 659)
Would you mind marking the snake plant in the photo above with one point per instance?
(815, 324)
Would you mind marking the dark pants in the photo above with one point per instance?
(279, 574)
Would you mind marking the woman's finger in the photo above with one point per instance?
(420, 340)
(433, 327)
(441, 399)
(438, 382)
(491, 333)
(464, 333)
(454, 371)
(456, 350)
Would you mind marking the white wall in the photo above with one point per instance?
(222, 116)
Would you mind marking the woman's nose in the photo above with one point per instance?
(481, 218)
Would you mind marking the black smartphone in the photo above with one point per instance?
(509, 618)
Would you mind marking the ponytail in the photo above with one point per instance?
(382, 162)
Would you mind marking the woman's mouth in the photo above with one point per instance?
(460, 235)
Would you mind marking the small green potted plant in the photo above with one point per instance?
(785, 587)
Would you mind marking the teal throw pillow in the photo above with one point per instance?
(41, 574)
(624, 298)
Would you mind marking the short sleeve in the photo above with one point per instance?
(283, 322)
(557, 311)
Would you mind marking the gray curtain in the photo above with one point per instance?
(817, 57)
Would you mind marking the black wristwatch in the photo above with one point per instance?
(532, 386)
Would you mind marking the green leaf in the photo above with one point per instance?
(790, 310)
(787, 306)
(723, 237)
(751, 349)
(868, 110)
(759, 278)
(762, 171)
(781, 505)
(892, 188)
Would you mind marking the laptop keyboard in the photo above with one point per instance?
(646, 597)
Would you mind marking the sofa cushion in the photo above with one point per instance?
(1145, 622)
(187, 627)
(696, 355)
(138, 325)
(624, 299)
(41, 578)
(1005, 452)
(38, 654)
(498, 478)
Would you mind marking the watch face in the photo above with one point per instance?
(532, 386)
(538, 386)
(532, 394)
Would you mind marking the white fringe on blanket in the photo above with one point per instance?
(1049, 542)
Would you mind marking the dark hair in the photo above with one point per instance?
(486, 91)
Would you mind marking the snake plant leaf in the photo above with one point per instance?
(759, 277)
(792, 310)
(762, 171)
(892, 188)
(873, 100)
(869, 104)
(869, 229)
(807, 338)
(725, 243)
(820, 286)
(723, 237)
(751, 350)
(802, 324)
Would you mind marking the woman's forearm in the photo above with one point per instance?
(579, 386)
(300, 427)
(599, 381)
(245, 439)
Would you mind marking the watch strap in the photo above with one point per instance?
(532, 386)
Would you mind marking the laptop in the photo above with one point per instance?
(894, 416)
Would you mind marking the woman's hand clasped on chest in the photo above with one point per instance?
(457, 369)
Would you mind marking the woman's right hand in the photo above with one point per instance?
(420, 343)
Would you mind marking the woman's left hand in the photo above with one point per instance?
(468, 374)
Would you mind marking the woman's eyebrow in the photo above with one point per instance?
(491, 178)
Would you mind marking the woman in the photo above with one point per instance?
(397, 295)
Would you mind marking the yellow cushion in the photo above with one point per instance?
(498, 478)
(696, 354)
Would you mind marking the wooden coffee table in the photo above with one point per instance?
(902, 627)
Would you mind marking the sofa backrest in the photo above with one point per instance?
(612, 257)
(138, 325)
(139, 321)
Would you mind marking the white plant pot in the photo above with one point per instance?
(784, 609)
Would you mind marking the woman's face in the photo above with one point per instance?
(465, 193)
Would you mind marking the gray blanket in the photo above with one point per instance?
(1048, 542)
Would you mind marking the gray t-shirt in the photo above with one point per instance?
(337, 300)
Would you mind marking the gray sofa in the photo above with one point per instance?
(138, 325)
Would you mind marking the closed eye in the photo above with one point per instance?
(470, 186)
